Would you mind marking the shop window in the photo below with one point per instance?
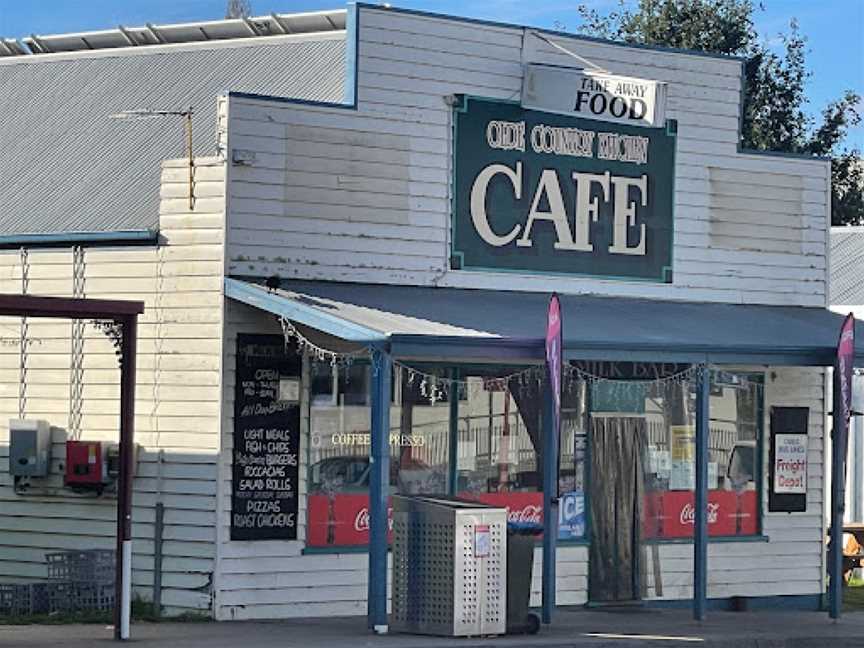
(498, 435)
(733, 458)
(339, 448)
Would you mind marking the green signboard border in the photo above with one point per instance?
(460, 105)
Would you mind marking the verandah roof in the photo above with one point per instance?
(447, 323)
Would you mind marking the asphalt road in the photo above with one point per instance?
(643, 628)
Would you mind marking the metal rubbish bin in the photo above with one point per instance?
(449, 567)
(520, 564)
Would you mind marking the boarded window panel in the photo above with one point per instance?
(759, 211)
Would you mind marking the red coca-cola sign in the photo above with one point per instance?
(361, 522)
(339, 520)
(671, 514)
(342, 520)
(521, 507)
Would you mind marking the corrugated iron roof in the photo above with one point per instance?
(847, 266)
(67, 167)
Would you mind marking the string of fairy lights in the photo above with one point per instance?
(436, 385)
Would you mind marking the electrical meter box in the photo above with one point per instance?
(29, 448)
(90, 464)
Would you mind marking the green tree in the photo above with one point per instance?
(774, 117)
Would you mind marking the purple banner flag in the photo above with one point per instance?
(553, 357)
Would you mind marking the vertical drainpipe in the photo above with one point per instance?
(379, 491)
(700, 532)
(550, 502)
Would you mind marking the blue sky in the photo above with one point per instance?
(835, 28)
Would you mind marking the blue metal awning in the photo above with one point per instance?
(449, 323)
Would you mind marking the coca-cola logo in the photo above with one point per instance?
(688, 513)
(361, 520)
(529, 513)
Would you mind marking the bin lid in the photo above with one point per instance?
(524, 528)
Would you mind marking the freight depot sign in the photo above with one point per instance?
(538, 192)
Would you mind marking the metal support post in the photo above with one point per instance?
(550, 502)
(453, 454)
(379, 492)
(123, 577)
(835, 551)
(700, 527)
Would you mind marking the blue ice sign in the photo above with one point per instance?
(571, 516)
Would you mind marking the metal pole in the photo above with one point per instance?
(453, 463)
(835, 553)
(123, 576)
(700, 530)
(157, 559)
(550, 501)
(379, 491)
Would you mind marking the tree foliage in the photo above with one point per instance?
(774, 116)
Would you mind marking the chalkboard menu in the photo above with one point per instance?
(266, 440)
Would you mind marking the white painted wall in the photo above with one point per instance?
(346, 195)
(177, 396)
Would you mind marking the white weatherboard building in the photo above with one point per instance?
(383, 173)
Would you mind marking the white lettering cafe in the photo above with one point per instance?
(347, 301)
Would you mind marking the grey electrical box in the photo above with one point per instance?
(29, 448)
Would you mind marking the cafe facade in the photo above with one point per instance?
(355, 306)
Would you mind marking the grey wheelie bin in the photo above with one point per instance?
(520, 564)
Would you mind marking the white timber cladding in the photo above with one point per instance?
(364, 195)
(177, 415)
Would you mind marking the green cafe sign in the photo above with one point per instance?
(538, 192)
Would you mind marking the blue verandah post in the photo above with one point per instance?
(379, 491)
(700, 531)
(550, 506)
(453, 450)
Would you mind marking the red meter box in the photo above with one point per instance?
(86, 464)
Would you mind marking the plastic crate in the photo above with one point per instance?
(90, 565)
(60, 597)
(92, 596)
(22, 599)
(12, 600)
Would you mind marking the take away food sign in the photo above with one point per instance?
(539, 192)
(594, 95)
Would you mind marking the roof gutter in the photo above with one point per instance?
(90, 239)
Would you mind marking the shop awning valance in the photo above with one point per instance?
(437, 324)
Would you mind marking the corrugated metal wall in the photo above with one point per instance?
(65, 166)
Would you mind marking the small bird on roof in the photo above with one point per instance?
(272, 282)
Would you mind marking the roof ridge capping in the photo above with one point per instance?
(274, 24)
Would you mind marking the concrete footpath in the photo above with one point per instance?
(642, 627)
